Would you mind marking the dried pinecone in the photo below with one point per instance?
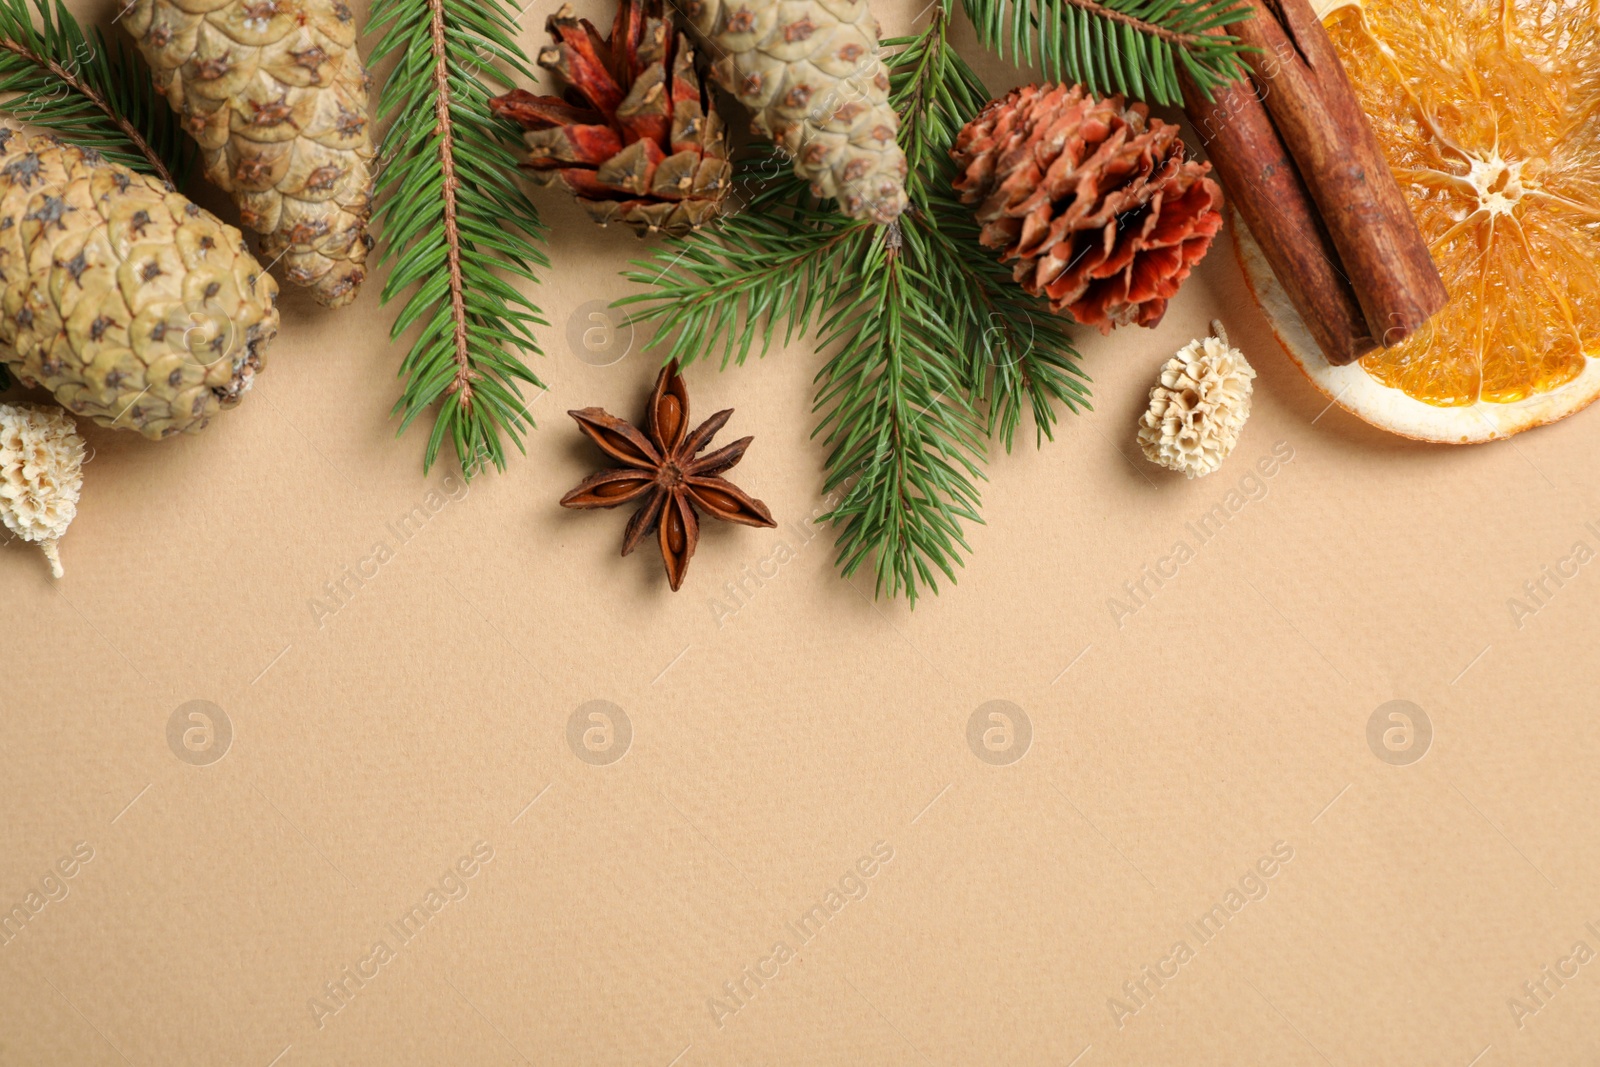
(811, 73)
(1093, 198)
(132, 305)
(1198, 406)
(41, 475)
(275, 93)
(634, 139)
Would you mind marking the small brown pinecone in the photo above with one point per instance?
(1092, 198)
(634, 140)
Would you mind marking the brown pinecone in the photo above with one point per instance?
(1093, 198)
(275, 94)
(634, 139)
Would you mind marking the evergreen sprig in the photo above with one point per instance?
(1018, 354)
(93, 93)
(933, 347)
(1133, 47)
(455, 224)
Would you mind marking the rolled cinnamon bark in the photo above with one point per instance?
(1315, 110)
(1266, 189)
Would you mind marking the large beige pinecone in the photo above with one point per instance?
(1091, 197)
(811, 73)
(275, 94)
(134, 306)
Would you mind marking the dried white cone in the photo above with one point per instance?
(1198, 407)
(41, 474)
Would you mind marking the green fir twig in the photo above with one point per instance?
(933, 347)
(1018, 354)
(456, 224)
(1133, 47)
(92, 93)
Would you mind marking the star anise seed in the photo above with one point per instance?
(663, 468)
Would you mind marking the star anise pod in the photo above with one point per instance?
(665, 470)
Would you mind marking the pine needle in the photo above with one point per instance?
(1133, 47)
(933, 348)
(91, 93)
(448, 172)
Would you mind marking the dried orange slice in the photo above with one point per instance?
(1489, 114)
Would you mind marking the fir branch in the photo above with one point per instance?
(93, 94)
(1133, 47)
(781, 258)
(1018, 352)
(927, 330)
(901, 427)
(455, 223)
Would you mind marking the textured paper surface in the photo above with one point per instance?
(795, 764)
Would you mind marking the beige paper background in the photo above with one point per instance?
(1168, 754)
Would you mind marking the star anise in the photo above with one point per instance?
(662, 469)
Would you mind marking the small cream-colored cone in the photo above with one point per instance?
(53, 554)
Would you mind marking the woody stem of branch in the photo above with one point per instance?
(128, 129)
(1172, 37)
(444, 129)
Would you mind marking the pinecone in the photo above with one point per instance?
(132, 305)
(810, 71)
(1093, 198)
(633, 142)
(274, 92)
(1197, 406)
(41, 475)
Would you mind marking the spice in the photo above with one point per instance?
(1268, 193)
(663, 468)
(1314, 108)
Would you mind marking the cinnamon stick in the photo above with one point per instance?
(1315, 110)
(1266, 189)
